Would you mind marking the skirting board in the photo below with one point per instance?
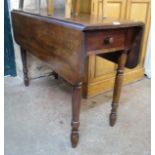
(108, 84)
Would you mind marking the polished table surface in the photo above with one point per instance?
(85, 20)
(66, 43)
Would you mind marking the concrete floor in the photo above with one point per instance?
(37, 120)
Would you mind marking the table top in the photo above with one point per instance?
(84, 21)
(55, 41)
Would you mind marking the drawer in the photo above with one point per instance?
(106, 40)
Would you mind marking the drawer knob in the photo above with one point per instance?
(108, 40)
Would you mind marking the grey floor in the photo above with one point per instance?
(37, 120)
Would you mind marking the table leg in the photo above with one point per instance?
(76, 102)
(24, 62)
(118, 86)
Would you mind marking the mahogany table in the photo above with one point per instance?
(66, 43)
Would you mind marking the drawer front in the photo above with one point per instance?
(105, 40)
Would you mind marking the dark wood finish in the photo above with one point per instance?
(59, 48)
(24, 62)
(135, 46)
(76, 103)
(118, 86)
(65, 44)
(119, 43)
(107, 39)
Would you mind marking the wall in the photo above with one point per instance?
(36, 67)
(148, 58)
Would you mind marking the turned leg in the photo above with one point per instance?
(25, 70)
(117, 88)
(76, 102)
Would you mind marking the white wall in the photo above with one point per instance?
(148, 58)
(36, 67)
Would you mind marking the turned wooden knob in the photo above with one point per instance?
(108, 40)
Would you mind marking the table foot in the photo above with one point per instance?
(75, 134)
(113, 115)
(26, 82)
(25, 69)
(76, 102)
(74, 137)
